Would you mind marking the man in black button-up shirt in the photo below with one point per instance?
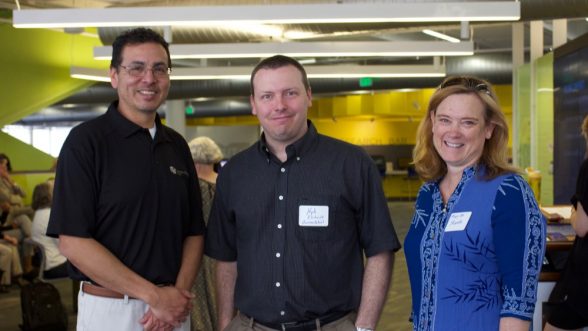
(294, 215)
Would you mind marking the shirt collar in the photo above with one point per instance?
(127, 128)
(297, 149)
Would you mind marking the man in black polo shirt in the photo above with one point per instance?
(127, 206)
(292, 218)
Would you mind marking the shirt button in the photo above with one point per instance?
(282, 313)
(277, 254)
(281, 197)
(279, 226)
(277, 284)
(283, 170)
(298, 158)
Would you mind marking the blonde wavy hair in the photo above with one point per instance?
(205, 151)
(427, 161)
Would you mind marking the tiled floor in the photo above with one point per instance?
(394, 317)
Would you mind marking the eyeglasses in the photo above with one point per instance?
(159, 71)
(467, 82)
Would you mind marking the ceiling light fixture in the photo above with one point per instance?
(272, 14)
(310, 49)
(441, 36)
(320, 71)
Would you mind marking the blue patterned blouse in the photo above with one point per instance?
(478, 258)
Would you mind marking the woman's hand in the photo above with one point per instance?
(10, 239)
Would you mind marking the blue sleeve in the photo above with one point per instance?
(519, 239)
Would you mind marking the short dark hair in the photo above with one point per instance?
(278, 61)
(42, 196)
(5, 157)
(133, 37)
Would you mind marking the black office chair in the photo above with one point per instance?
(39, 249)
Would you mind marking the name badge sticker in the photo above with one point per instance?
(313, 216)
(458, 221)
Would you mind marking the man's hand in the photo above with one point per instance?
(151, 323)
(172, 306)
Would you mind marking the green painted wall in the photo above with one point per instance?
(544, 125)
(30, 166)
(28, 181)
(24, 157)
(523, 115)
(35, 68)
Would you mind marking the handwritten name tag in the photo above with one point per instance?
(313, 216)
(458, 221)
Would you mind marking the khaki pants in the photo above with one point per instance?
(244, 323)
(9, 262)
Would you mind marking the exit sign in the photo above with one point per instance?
(366, 82)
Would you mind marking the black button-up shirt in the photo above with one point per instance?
(137, 196)
(286, 271)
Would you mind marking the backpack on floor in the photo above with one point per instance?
(42, 309)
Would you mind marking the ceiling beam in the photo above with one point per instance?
(318, 71)
(269, 14)
(310, 49)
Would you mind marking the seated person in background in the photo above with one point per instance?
(10, 266)
(55, 263)
(15, 215)
(12, 196)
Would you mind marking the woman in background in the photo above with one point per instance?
(477, 238)
(205, 154)
(15, 214)
(55, 263)
(16, 217)
(572, 312)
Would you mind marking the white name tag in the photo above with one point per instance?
(313, 216)
(458, 221)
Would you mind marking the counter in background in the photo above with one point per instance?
(401, 185)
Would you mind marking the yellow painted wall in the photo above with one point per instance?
(401, 187)
(370, 132)
(385, 118)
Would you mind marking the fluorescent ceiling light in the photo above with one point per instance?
(441, 36)
(273, 14)
(244, 72)
(310, 49)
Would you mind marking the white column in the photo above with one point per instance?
(560, 32)
(536, 52)
(518, 59)
(175, 116)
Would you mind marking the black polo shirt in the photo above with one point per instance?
(137, 196)
(298, 229)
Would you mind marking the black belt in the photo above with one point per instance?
(308, 325)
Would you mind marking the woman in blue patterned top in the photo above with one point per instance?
(477, 238)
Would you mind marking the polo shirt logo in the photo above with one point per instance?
(178, 172)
